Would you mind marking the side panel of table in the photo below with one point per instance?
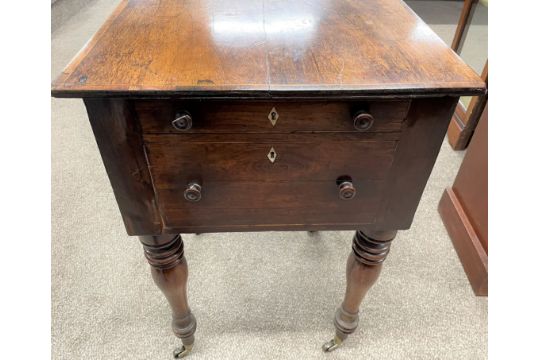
(421, 139)
(118, 136)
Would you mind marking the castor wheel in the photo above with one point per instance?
(332, 344)
(182, 352)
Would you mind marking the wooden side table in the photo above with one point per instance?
(267, 115)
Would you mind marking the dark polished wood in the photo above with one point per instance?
(420, 142)
(267, 115)
(465, 18)
(464, 121)
(262, 48)
(364, 264)
(464, 210)
(253, 116)
(165, 254)
(242, 187)
(120, 143)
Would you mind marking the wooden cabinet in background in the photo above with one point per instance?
(467, 115)
(464, 209)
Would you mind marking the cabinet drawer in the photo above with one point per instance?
(240, 185)
(237, 204)
(288, 117)
(306, 157)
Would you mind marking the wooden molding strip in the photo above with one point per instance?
(471, 253)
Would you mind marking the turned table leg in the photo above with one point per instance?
(369, 249)
(165, 253)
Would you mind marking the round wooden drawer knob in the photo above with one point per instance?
(193, 192)
(346, 190)
(363, 121)
(182, 121)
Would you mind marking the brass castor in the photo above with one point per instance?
(332, 344)
(183, 351)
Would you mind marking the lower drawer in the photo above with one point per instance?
(269, 203)
(240, 185)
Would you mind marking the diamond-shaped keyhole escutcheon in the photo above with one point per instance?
(273, 116)
(272, 155)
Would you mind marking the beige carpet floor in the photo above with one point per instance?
(256, 295)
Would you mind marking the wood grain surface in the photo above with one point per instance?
(282, 205)
(420, 142)
(119, 139)
(252, 117)
(180, 158)
(464, 209)
(242, 187)
(265, 48)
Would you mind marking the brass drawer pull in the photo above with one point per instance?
(347, 191)
(193, 192)
(363, 121)
(183, 121)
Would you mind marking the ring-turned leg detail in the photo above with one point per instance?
(165, 253)
(369, 250)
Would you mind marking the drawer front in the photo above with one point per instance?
(266, 117)
(246, 158)
(272, 203)
(241, 186)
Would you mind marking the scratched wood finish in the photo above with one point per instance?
(266, 48)
(403, 160)
(317, 61)
(245, 117)
(254, 204)
(420, 143)
(120, 143)
(241, 187)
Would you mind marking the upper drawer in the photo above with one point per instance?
(277, 117)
